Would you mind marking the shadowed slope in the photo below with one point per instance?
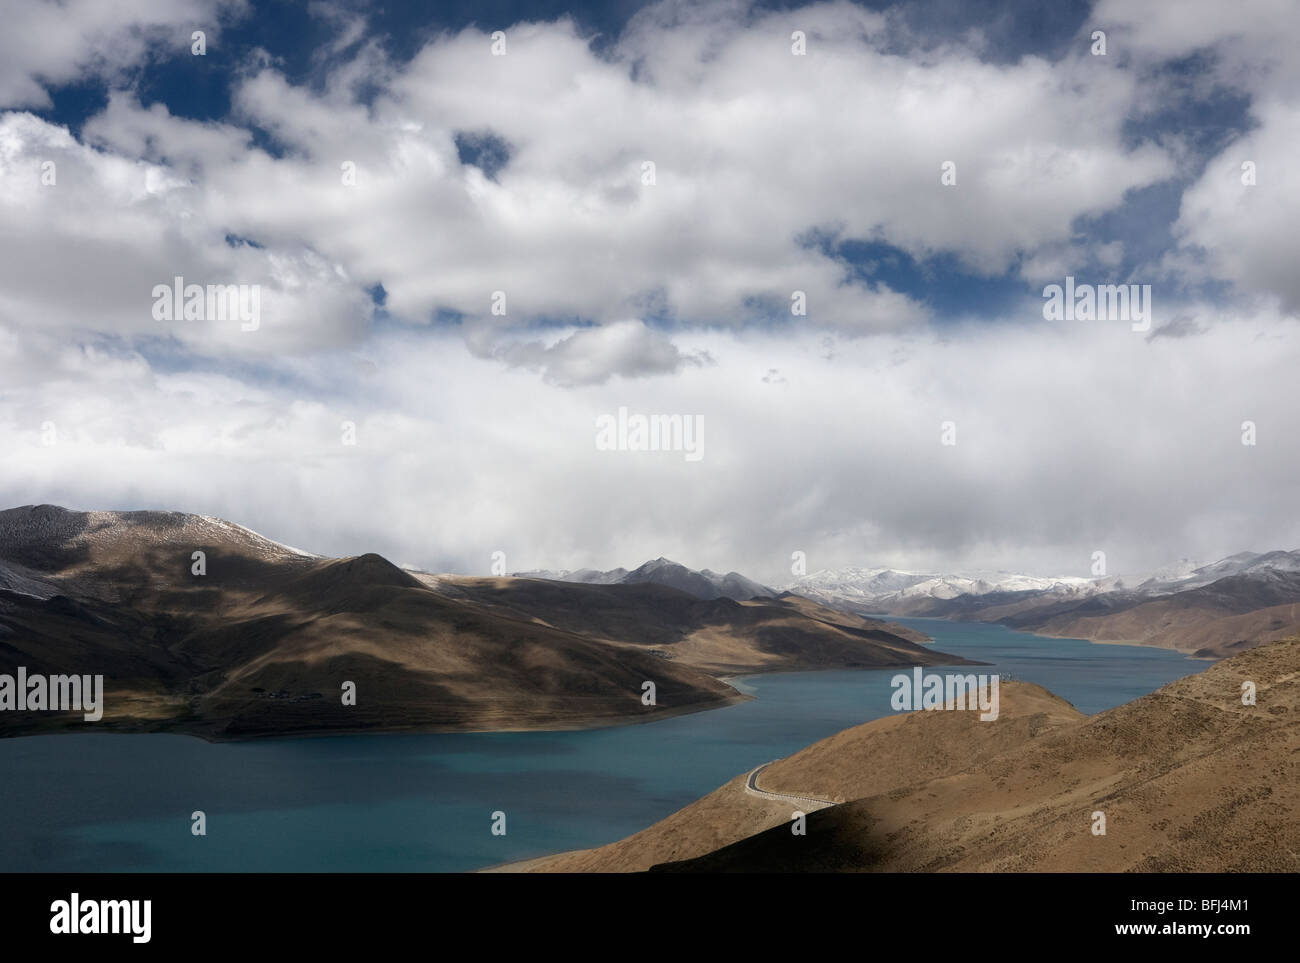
(261, 639)
(879, 757)
(1188, 778)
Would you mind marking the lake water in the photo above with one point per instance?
(397, 802)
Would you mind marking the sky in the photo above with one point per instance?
(825, 234)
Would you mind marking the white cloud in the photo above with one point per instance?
(591, 355)
(1231, 231)
(46, 45)
(84, 253)
(753, 149)
(1071, 438)
(1247, 233)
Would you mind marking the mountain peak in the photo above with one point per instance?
(50, 536)
(664, 571)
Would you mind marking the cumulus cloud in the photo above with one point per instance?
(1244, 217)
(1234, 225)
(88, 236)
(753, 149)
(47, 45)
(466, 258)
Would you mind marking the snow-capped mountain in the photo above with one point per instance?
(883, 587)
(27, 534)
(1243, 563)
(703, 583)
(855, 584)
(1239, 583)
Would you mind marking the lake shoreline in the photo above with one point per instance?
(578, 724)
(420, 801)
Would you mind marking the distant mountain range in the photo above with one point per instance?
(253, 638)
(661, 571)
(889, 587)
(259, 641)
(1208, 610)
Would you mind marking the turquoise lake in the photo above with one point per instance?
(419, 803)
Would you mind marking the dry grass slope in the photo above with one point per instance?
(1189, 779)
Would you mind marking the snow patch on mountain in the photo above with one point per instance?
(36, 529)
(882, 588)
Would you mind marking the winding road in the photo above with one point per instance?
(809, 803)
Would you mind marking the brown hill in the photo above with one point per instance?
(262, 642)
(720, 635)
(1212, 621)
(1189, 779)
(876, 758)
(1226, 616)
